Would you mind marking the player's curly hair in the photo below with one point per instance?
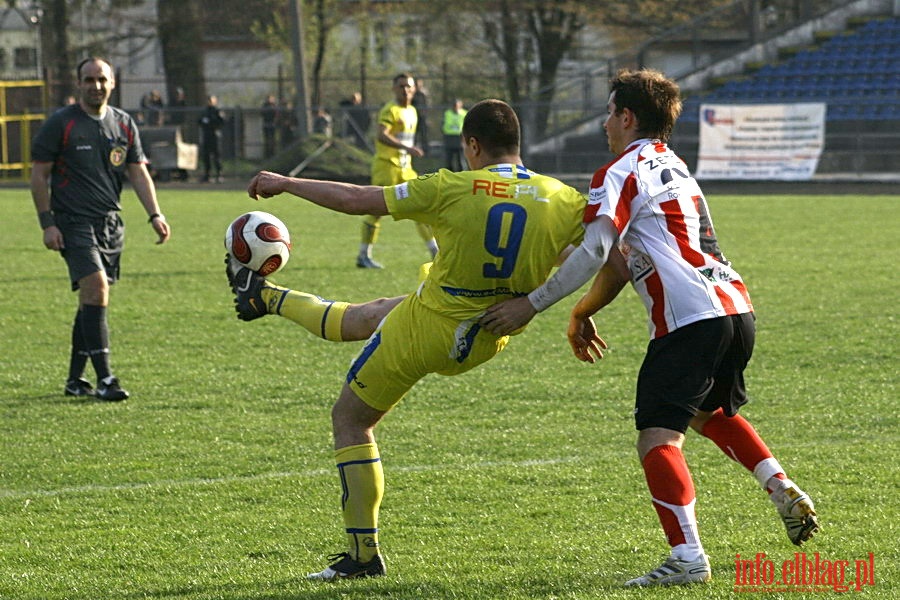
(653, 98)
(495, 125)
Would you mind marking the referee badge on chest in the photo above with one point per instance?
(117, 156)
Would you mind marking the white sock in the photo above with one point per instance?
(688, 552)
(765, 470)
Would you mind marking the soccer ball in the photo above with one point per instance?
(259, 241)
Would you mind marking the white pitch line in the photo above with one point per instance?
(168, 483)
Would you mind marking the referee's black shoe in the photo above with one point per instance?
(109, 390)
(79, 387)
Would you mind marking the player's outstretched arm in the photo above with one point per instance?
(505, 317)
(582, 333)
(341, 197)
(582, 264)
(610, 280)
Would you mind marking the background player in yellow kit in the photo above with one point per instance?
(394, 149)
(501, 228)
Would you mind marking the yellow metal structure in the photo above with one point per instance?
(21, 161)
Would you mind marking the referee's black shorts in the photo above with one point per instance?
(91, 244)
(696, 367)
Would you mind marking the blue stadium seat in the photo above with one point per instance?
(857, 74)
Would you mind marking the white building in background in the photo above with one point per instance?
(20, 56)
(237, 71)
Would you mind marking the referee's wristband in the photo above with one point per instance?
(155, 216)
(46, 219)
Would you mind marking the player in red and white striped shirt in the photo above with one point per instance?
(662, 220)
(647, 222)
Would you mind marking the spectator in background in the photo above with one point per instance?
(355, 120)
(322, 122)
(211, 122)
(452, 128)
(420, 102)
(152, 104)
(144, 118)
(287, 123)
(269, 111)
(175, 115)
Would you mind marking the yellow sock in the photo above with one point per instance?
(320, 317)
(369, 230)
(362, 483)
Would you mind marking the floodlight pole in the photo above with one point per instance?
(301, 99)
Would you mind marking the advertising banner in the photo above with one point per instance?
(760, 141)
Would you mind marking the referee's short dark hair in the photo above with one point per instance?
(89, 60)
(495, 125)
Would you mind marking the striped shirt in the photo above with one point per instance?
(666, 234)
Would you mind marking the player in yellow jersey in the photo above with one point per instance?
(501, 229)
(394, 148)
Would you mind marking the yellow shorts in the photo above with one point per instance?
(411, 342)
(384, 172)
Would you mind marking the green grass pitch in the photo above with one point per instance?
(517, 480)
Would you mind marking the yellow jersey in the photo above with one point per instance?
(401, 122)
(500, 230)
